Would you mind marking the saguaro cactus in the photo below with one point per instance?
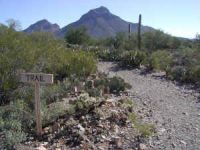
(139, 31)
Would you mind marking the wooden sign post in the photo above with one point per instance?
(37, 79)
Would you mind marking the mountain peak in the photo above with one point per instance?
(43, 21)
(96, 13)
(101, 10)
(43, 25)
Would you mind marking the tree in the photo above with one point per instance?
(77, 36)
(155, 40)
(14, 24)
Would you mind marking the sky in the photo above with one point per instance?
(176, 17)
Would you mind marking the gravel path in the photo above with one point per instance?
(174, 109)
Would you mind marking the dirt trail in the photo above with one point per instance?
(174, 110)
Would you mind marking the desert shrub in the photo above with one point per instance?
(38, 52)
(84, 103)
(51, 113)
(156, 39)
(160, 60)
(195, 74)
(78, 63)
(110, 54)
(15, 121)
(132, 42)
(132, 59)
(82, 64)
(185, 57)
(132, 117)
(145, 129)
(55, 92)
(182, 74)
(14, 136)
(94, 92)
(186, 66)
(185, 74)
(117, 84)
(114, 84)
(127, 104)
(77, 36)
(103, 54)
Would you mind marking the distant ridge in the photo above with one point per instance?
(43, 26)
(100, 23)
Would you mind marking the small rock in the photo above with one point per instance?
(100, 126)
(116, 129)
(45, 143)
(185, 113)
(31, 138)
(173, 145)
(117, 141)
(101, 148)
(103, 136)
(81, 129)
(142, 146)
(144, 103)
(46, 130)
(183, 142)
(41, 148)
(162, 130)
(196, 129)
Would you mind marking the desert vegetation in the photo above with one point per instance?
(38, 52)
(73, 62)
(178, 57)
(72, 68)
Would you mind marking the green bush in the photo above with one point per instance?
(133, 118)
(110, 54)
(94, 92)
(82, 64)
(185, 75)
(51, 113)
(146, 130)
(156, 39)
(132, 59)
(117, 84)
(195, 74)
(77, 36)
(38, 52)
(55, 92)
(186, 66)
(114, 84)
(15, 121)
(160, 60)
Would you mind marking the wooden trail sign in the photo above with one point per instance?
(37, 79)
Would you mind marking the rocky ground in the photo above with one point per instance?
(98, 124)
(174, 109)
